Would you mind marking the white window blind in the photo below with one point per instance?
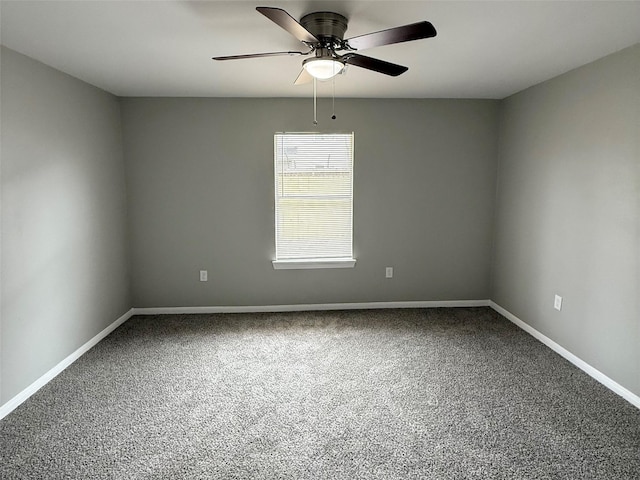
(313, 196)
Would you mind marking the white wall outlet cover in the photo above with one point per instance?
(557, 303)
(204, 275)
(388, 272)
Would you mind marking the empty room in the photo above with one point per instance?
(320, 240)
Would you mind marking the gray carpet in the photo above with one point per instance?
(419, 393)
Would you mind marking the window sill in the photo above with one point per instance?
(314, 263)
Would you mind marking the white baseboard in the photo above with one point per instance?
(581, 364)
(309, 307)
(12, 404)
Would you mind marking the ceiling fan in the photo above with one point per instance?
(323, 34)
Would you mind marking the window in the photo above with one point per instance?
(313, 200)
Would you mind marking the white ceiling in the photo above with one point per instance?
(484, 49)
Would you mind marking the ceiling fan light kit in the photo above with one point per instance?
(324, 65)
(322, 68)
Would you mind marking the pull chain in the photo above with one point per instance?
(315, 102)
(333, 98)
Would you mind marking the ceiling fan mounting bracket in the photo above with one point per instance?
(328, 27)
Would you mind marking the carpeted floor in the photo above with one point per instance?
(385, 394)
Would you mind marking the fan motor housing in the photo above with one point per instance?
(326, 26)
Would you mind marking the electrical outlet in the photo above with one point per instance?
(204, 276)
(557, 303)
(388, 272)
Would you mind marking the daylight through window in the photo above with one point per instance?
(313, 200)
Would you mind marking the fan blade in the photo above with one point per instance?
(374, 64)
(259, 55)
(304, 78)
(414, 31)
(290, 24)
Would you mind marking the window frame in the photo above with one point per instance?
(319, 262)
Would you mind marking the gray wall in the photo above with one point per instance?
(568, 212)
(200, 175)
(64, 246)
